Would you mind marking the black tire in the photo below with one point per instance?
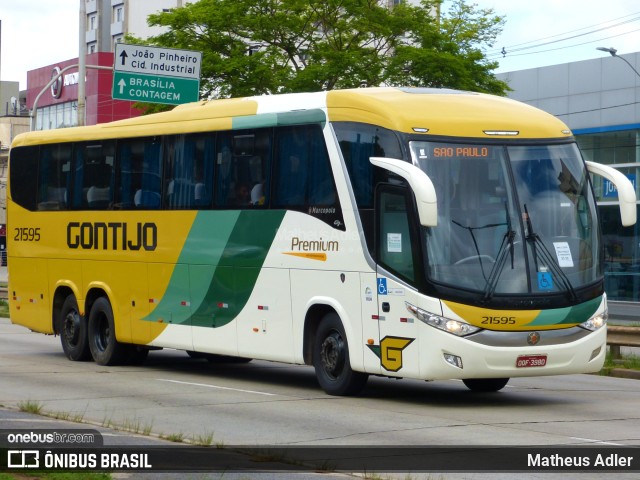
(485, 384)
(72, 328)
(105, 349)
(331, 359)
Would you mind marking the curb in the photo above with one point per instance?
(625, 373)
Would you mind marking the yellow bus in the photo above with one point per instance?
(401, 232)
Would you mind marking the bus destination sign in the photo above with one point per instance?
(156, 75)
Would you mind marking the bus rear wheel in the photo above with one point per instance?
(105, 349)
(485, 384)
(73, 331)
(331, 359)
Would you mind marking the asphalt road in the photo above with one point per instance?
(263, 403)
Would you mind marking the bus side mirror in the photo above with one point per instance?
(419, 182)
(626, 191)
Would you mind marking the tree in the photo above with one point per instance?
(279, 46)
(452, 55)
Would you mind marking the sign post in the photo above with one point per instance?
(156, 75)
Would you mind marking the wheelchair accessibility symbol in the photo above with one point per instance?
(545, 281)
(382, 286)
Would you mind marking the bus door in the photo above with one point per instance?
(398, 264)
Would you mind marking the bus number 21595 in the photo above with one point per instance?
(27, 234)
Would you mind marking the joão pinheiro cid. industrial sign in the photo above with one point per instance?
(156, 75)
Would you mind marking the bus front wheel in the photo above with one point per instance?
(73, 331)
(331, 359)
(105, 349)
(485, 384)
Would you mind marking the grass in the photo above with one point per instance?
(4, 309)
(133, 425)
(30, 406)
(173, 437)
(629, 361)
(204, 440)
(4, 304)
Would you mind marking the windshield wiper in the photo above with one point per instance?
(547, 257)
(475, 242)
(505, 247)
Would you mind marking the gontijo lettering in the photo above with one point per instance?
(112, 236)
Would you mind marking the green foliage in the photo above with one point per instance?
(4, 309)
(280, 46)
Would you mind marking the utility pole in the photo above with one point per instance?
(82, 62)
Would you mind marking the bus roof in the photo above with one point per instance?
(441, 112)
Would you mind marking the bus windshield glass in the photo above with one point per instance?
(512, 220)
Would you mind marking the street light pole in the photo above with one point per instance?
(614, 53)
(82, 65)
(54, 78)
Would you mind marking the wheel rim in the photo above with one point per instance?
(71, 328)
(332, 355)
(103, 333)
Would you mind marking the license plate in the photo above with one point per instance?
(526, 361)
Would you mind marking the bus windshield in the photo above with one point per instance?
(511, 219)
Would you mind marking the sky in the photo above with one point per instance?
(37, 33)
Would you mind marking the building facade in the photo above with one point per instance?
(107, 23)
(14, 120)
(600, 101)
(57, 106)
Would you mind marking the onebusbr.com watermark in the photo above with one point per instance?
(68, 449)
(67, 460)
(53, 438)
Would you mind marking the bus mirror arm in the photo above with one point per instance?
(626, 190)
(419, 182)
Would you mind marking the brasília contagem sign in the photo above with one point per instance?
(156, 75)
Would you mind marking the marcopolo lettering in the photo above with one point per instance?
(112, 236)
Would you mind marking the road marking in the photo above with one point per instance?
(216, 386)
(591, 440)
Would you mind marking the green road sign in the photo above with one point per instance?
(140, 87)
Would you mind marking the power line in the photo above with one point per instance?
(494, 56)
(565, 36)
(596, 109)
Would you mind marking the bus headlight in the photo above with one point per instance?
(455, 327)
(596, 322)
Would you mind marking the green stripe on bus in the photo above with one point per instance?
(570, 315)
(224, 254)
(261, 120)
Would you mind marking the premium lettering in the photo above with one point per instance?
(112, 236)
(314, 245)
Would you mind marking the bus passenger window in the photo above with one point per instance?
(358, 142)
(203, 166)
(22, 181)
(188, 171)
(179, 180)
(140, 170)
(54, 177)
(292, 167)
(303, 178)
(93, 176)
(242, 167)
